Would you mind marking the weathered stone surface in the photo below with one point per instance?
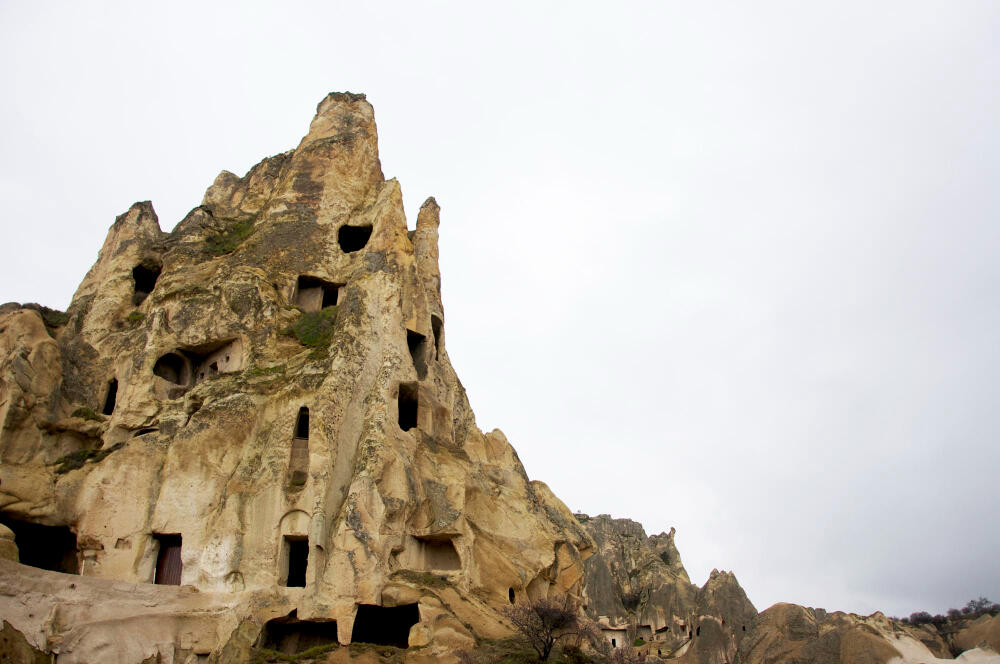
(636, 586)
(983, 632)
(169, 401)
(788, 633)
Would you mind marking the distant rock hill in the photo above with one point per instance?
(636, 587)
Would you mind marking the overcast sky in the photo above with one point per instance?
(725, 266)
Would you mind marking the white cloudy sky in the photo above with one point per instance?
(725, 266)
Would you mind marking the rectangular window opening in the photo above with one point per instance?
(297, 550)
(407, 406)
(168, 560)
(302, 424)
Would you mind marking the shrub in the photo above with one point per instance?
(545, 621)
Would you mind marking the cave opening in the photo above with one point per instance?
(297, 555)
(408, 406)
(302, 424)
(168, 559)
(436, 554)
(510, 595)
(437, 328)
(144, 276)
(353, 238)
(417, 343)
(45, 547)
(110, 397)
(385, 625)
(313, 293)
(298, 459)
(291, 636)
(171, 367)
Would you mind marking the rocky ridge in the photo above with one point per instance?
(636, 587)
(253, 419)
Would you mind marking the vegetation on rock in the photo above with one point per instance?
(87, 414)
(972, 610)
(314, 329)
(422, 578)
(266, 656)
(77, 459)
(229, 240)
(548, 620)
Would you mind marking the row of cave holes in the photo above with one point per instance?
(145, 274)
(54, 548)
(408, 404)
(378, 625)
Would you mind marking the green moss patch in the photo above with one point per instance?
(229, 240)
(266, 656)
(314, 329)
(136, 316)
(77, 459)
(422, 578)
(87, 414)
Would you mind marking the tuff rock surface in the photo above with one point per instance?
(636, 587)
(790, 634)
(268, 388)
(247, 431)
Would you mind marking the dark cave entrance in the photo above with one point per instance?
(407, 406)
(385, 625)
(437, 328)
(45, 547)
(417, 343)
(302, 424)
(168, 560)
(297, 552)
(144, 275)
(298, 461)
(353, 238)
(110, 397)
(313, 293)
(291, 635)
(171, 367)
(510, 595)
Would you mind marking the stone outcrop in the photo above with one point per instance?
(788, 633)
(258, 407)
(636, 587)
(983, 632)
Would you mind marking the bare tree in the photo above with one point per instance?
(545, 621)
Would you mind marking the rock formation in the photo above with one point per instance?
(636, 587)
(247, 432)
(249, 429)
(789, 634)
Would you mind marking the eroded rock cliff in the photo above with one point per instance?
(258, 407)
(636, 587)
